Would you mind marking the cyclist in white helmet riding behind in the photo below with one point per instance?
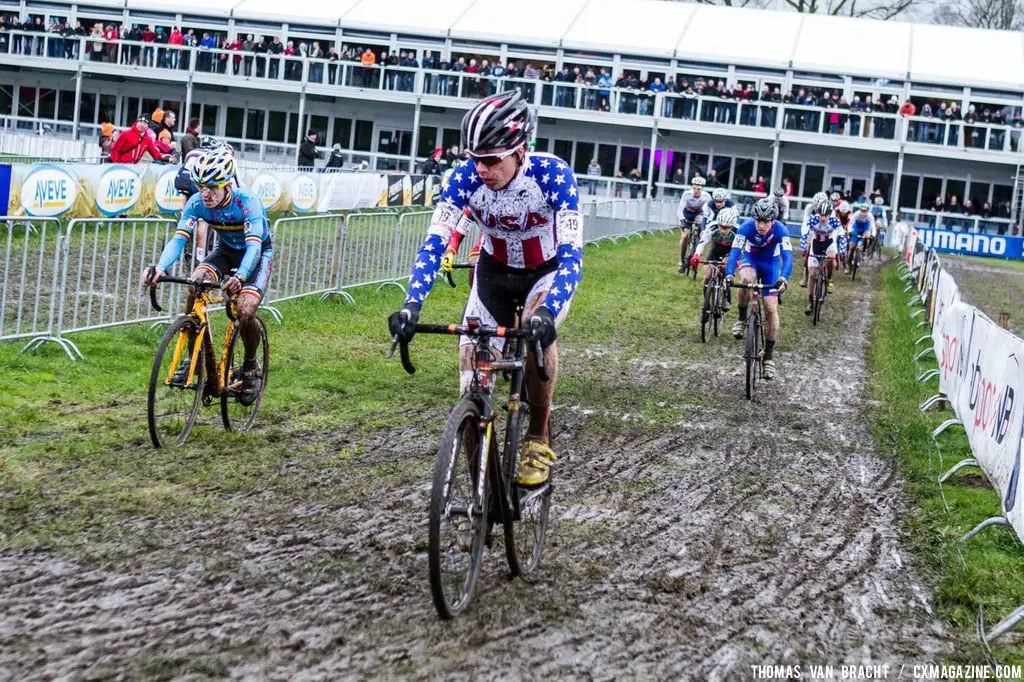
(691, 212)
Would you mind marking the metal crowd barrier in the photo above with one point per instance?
(58, 281)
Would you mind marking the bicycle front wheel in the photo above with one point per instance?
(854, 264)
(236, 415)
(706, 314)
(716, 310)
(457, 532)
(751, 352)
(819, 297)
(173, 402)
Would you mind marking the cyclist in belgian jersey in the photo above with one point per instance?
(527, 207)
(762, 251)
(691, 210)
(244, 253)
(186, 186)
(720, 235)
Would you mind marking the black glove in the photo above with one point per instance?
(728, 280)
(402, 324)
(542, 327)
(781, 284)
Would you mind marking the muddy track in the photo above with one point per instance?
(734, 535)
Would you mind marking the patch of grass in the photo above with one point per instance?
(992, 572)
(993, 285)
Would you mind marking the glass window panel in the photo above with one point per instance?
(342, 132)
(1002, 193)
(427, 143)
(364, 136)
(451, 137)
(563, 149)
(908, 193)
(65, 107)
(7, 99)
(629, 159)
(764, 172)
(254, 119)
(742, 180)
(233, 125)
(27, 102)
(209, 122)
(721, 166)
(814, 180)
(47, 104)
(129, 111)
(930, 189)
(319, 124)
(606, 159)
(955, 188)
(276, 125)
(108, 107)
(698, 164)
(88, 108)
(979, 193)
(858, 188)
(584, 154)
(791, 172)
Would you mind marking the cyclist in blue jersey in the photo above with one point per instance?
(862, 228)
(761, 251)
(186, 186)
(242, 259)
(527, 207)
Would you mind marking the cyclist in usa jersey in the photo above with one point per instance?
(762, 251)
(527, 208)
(244, 245)
(821, 243)
(691, 210)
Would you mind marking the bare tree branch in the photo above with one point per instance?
(1005, 15)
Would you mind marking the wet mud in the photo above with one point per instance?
(687, 546)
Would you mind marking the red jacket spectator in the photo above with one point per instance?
(908, 109)
(176, 38)
(149, 36)
(133, 142)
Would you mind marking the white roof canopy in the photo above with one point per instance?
(695, 32)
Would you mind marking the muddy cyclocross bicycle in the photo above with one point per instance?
(186, 374)
(475, 476)
(753, 338)
(715, 292)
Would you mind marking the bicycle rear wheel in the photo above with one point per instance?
(694, 238)
(172, 408)
(854, 264)
(456, 533)
(235, 415)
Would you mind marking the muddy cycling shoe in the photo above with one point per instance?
(809, 309)
(250, 386)
(829, 288)
(737, 328)
(769, 369)
(535, 465)
(726, 305)
(803, 279)
(682, 268)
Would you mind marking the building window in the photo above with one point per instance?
(742, 177)
(584, 153)
(814, 180)
(606, 159)
(342, 132)
(629, 159)
(276, 126)
(908, 193)
(234, 123)
(427, 142)
(792, 172)
(364, 136)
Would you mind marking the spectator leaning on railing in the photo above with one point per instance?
(134, 142)
(308, 153)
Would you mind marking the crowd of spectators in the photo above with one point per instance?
(969, 214)
(151, 136)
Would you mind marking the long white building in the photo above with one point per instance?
(390, 117)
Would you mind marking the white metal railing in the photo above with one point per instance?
(225, 66)
(956, 221)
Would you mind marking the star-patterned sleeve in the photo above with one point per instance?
(559, 183)
(450, 209)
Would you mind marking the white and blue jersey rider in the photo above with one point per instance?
(878, 213)
(862, 227)
(719, 200)
(243, 257)
(761, 252)
(691, 209)
(527, 208)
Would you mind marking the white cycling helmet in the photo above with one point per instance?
(818, 197)
(720, 195)
(844, 207)
(727, 217)
(879, 201)
(823, 206)
(698, 181)
(864, 207)
(214, 168)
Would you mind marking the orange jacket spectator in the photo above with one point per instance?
(133, 142)
(368, 58)
(908, 109)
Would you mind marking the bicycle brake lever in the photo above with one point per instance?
(152, 299)
(538, 354)
(404, 348)
(448, 277)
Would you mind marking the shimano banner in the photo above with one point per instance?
(972, 244)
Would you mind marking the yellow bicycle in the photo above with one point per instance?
(186, 374)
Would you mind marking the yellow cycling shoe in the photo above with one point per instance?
(829, 288)
(535, 465)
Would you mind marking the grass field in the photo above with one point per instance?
(993, 285)
(985, 572)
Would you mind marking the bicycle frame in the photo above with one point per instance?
(217, 371)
